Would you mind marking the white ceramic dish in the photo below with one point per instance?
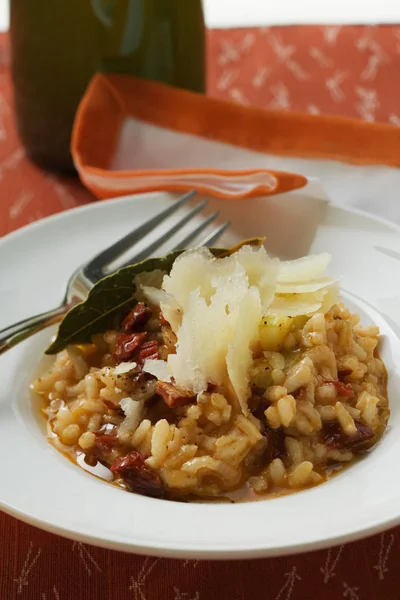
(40, 486)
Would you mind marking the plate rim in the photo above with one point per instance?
(191, 552)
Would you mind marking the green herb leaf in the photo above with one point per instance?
(110, 296)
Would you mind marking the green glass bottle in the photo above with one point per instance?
(58, 45)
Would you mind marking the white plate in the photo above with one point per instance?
(41, 487)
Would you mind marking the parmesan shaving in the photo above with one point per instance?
(202, 344)
(240, 357)
(213, 295)
(133, 410)
(304, 269)
(124, 367)
(158, 368)
(215, 307)
(262, 271)
(192, 270)
(303, 287)
(331, 296)
(295, 305)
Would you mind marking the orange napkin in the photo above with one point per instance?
(132, 135)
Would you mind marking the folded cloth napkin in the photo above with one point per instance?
(132, 135)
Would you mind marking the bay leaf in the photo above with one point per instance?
(111, 295)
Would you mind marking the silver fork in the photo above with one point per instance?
(84, 278)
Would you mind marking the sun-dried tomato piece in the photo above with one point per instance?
(149, 350)
(343, 373)
(364, 434)
(275, 445)
(137, 317)
(145, 483)
(126, 344)
(137, 476)
(173, 396)
(334, 438)
(106, 441)
(257, 405)
(332, 435)
(133, 460)
(344, 390)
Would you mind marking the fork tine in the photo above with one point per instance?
(166, 234)
(193, 234)
(214, 235)
(113, 252)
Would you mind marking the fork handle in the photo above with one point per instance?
(14, 334)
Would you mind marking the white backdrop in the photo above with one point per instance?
(4, 15)
(242, 13)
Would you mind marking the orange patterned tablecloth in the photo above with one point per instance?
(351, 71)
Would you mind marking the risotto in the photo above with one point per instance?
(240, 378)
